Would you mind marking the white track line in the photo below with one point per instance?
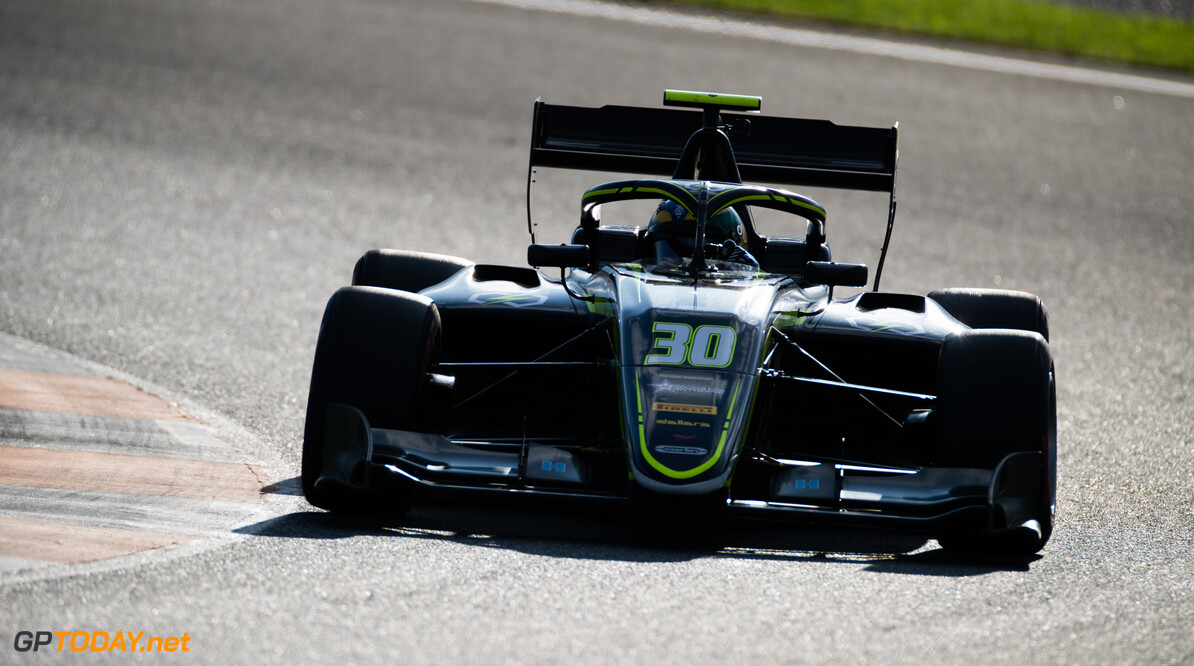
(863, 45)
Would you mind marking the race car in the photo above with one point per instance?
(690, 361)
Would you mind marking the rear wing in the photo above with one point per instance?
(766, 149)
(790, 151)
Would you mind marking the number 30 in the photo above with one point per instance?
(709, 346)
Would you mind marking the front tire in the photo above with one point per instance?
(374, 350)
(996, 397)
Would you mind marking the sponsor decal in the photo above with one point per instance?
(886, 325)
(682, 423)
(878, 326)
(682, 450)
(683, 408)
(668, 387)
(513, 300)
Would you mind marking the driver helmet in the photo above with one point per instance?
(673, 228)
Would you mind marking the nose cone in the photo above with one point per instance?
(684, 427)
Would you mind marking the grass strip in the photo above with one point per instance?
(1133, 39)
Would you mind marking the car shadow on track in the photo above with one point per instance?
(568, 532)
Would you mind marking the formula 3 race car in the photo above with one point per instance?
(692, 362)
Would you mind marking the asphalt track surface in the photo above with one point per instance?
(182, 186)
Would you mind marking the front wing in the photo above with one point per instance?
(930, 500)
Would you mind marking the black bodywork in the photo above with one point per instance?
(706, 383)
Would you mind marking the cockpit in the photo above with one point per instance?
(701, 224)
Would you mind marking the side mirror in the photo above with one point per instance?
(558, 256)
(835, 275)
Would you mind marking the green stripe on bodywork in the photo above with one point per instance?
(642, 435)
(600, 306)
(750, 411)
(790, 319)
(689, 205)
(660, 188)
(731, 198)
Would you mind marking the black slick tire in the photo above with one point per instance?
(996, 396)
(374, 350)
(405, 270)
(995, 308)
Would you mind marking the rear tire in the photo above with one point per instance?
(995, 308)
(996, 396)
(374, 350)
(405, 270)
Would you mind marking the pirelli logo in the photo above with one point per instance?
(682, 408)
